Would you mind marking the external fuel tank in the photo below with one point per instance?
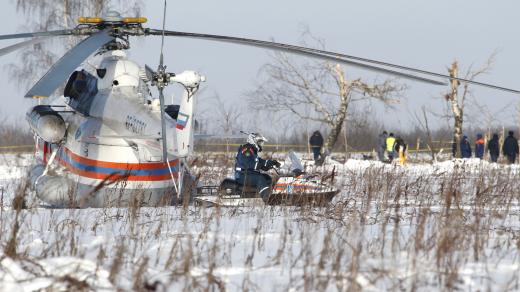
(47, 123)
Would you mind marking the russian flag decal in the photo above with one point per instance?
(182, 121)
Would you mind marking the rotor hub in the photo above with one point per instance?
(113, 16)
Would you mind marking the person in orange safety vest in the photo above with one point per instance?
(479, 146)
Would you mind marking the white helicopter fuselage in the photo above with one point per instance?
(111, 154)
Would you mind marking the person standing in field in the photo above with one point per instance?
(465, 148)
(510, 147)
(479, 146)
(400, 149)
(316, 142)
(493, 148)
(390, 140)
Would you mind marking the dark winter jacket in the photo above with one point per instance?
(247, 160)
(316, 139)
(510, 147)
(493, 146)
(465, 148)
(381, 140)
(479, 146)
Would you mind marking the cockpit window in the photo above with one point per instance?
(81, 90)
(101, 73)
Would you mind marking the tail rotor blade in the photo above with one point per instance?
(163, 126)
(162, 82)
(162, 37)
(149, 72)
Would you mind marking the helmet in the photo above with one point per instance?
(256, 140)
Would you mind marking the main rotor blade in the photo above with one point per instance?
(61, 70)
(37, 34)
(321, 53)
(293, 49)
(420, 71)
(12, 48)
(163, 126)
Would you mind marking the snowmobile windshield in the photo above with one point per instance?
(292, 165)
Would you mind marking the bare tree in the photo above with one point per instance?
(290, 88)
(45, 15)
(226, 118)
(489, 119)
(425, 127)
(457, 101)
(226, 115)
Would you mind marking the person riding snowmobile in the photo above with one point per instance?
(248, 165)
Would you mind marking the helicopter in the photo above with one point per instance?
(108, 141)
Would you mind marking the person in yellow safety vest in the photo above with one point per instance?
(400, 147)
(390, 140)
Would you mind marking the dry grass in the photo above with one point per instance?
(389, 229)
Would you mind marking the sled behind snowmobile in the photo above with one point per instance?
(294, 188)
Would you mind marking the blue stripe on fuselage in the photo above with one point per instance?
(104, 170)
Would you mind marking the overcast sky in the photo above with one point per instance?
(424, 34)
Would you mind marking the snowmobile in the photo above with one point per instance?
(291, 187)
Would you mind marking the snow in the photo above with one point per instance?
(440, 226)
(53, 273)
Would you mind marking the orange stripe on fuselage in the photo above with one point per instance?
(117, 177)
(135, 166)
(122, 166)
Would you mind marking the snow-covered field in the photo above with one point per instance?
(453, 225)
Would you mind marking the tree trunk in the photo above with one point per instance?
(456, 109)
(337, 123)
(345, 140)
(457, 134)
(333, 136)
